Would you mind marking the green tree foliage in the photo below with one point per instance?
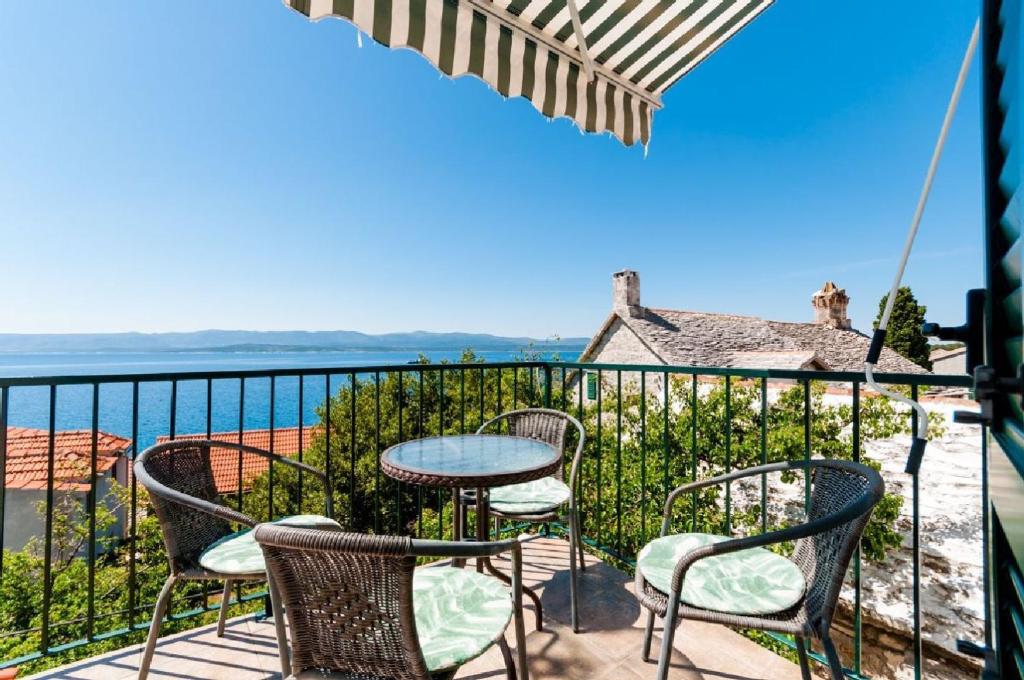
(904, 332)
(22, 592)
(627, 476)
(387, 409)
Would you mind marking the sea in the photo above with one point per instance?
(30, 406)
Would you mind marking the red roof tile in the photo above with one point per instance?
(224, 462)
(28, 457)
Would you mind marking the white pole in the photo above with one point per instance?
(581, 39)
(915, 222)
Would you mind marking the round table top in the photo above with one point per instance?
(470, 461)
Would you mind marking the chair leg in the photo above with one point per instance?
(573, 580)
(648, 634)
(458, 522)
(279, 629)
(579, 542)
(506, 654)
(154, 627)
(225, 599)
(517, 615)
(834, 664)
(801, 651)
(668, 636)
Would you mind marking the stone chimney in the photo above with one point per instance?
(830, 305)
(626, 294)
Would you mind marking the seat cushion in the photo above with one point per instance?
(753, 581)
(459, 614)
(240, 554)
(529, 498)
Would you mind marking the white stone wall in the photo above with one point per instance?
(950, 365)
(620, 345)
(952, 600)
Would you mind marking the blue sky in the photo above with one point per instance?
(187, 165)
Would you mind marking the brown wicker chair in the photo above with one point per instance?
(842, 498)
(182, 491)
(350, 604)
(549, 426)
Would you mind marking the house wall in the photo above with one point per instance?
(620, 345)
(951, 365)
(23, 519)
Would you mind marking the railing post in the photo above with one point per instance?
(4, 405)
(547, 385)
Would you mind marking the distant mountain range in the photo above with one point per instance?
(271, 341)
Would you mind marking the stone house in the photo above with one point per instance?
(949, 361)
(27, 474)
(635, 334)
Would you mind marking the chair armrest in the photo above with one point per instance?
(157, 488)
(463, 549)
(273, 457)
(723, 479)
(847, 514)
(484, 427)
(276, 458)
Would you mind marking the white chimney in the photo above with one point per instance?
(830, 305)
(626, 294)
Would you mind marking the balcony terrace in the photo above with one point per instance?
(607, 647)
(649, 429)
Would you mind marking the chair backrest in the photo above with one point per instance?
(182, 468)
(825, 556)
(546, 425)
(348, 598)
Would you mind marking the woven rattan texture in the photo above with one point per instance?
(186, 531)
(348, 598)
(823, 558)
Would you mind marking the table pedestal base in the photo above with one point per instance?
(482, 505)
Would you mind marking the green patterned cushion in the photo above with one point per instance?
(540, 495)
(239, 553)
(459, 614)
(753, 581)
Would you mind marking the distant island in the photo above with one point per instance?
(275, 341)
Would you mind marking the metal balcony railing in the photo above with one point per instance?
(88, 580)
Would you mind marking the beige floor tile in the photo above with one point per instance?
(607, 648)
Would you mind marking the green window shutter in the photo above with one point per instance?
(1004, 185)
(591, 386)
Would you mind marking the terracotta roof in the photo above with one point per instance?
(28, 457)
(728, 340)
(224, 462)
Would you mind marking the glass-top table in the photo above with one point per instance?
(477, 462)
(470, 461)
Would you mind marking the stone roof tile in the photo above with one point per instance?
(708, 339)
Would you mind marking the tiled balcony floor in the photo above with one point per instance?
(607, 647)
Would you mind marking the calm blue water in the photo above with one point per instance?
(29, 406)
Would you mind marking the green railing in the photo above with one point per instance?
(88, 582)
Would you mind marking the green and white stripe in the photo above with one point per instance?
(528, 48)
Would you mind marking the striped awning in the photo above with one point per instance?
(610, 81)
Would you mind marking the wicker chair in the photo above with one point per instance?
(182, 491)
(549, 426)
(842, 498)
(358, 609)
